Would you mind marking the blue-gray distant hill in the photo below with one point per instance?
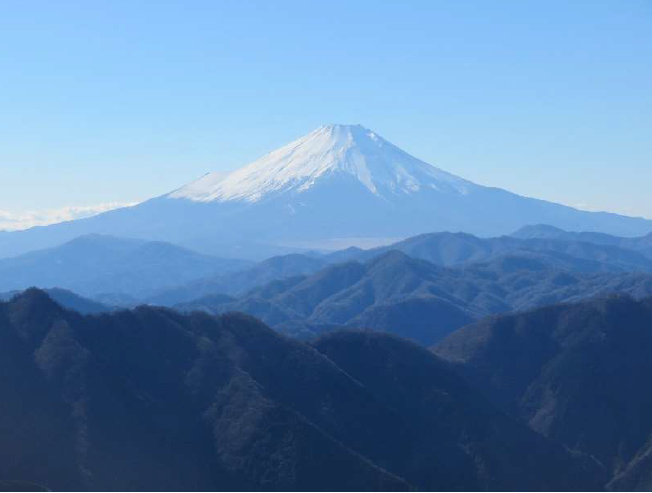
(95, 264)
(641, 244)
(444, 249)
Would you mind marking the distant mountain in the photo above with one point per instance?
(352, 293)
(153, 400)
(339, 184)
(577, 373)
(241, 281)
(551, 232)
(95, 264)
(72, 301)
(448, 249)
(121, 300)
(68, 299)
(205, 303)
(642, 244)
(417, 299)
(8, 295)
(455, 249)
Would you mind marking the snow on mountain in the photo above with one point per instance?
(384, 169)
(340, 184)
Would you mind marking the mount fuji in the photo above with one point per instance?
(338, 186)
(348, 154)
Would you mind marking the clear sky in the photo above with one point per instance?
(108, 102)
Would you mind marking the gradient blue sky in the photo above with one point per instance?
(118, 101)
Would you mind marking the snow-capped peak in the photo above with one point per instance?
(331, 150)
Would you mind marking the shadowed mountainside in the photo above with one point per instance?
(151, 399)
(577, 373)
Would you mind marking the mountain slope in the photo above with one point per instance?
(436, 402)
(346, 294)
(96, 264)
(330, 152)
(152, 400)
(241, 281)
(448, 249)
(641, 244)
(69, 300)
(148, 400)
(417, 299)
(340, 182)
(577, 373)
(454, 249)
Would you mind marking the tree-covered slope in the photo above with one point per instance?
(151, 399)
(577, 373)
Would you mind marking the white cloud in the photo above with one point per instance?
(12, 221)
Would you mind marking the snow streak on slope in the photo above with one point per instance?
(348, 150)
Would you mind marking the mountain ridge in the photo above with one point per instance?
(199, 403)
(417, 299)
(95, 264)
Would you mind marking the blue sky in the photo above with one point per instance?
(118, 101)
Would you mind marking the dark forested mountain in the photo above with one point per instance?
(151, 399)
(96, 264)
(419, 300)
(577, 373)
(641, 244)
(441, 416)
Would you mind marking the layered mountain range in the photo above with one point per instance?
(416, 299)
(151, 399)
(128, 271)
(341, 184)
(463, 356)
(547, 399)
(421, 288)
